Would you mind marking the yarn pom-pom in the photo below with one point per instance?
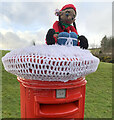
(57, 11)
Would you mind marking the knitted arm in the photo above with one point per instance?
(56, 27)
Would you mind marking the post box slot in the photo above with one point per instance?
(59, 109)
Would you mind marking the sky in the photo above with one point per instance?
(22, 22)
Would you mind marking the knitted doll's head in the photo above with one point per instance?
(67, 14)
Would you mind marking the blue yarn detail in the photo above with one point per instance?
(73, 35)
(62, 41)
(63, 34)
(75, 42)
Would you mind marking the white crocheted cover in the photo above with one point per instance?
(50, 62)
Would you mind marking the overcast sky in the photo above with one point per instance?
(23, 22)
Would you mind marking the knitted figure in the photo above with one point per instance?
(64, 29)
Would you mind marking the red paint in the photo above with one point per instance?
(38, 99)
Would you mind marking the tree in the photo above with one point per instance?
(106, 44)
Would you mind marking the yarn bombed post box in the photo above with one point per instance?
(52, 79)
(52, 76)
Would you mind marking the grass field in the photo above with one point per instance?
(98, 102)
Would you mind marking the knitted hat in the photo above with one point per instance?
(68, 6)
(57, 11)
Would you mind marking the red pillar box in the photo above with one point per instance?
(53, 85)
(44, 99)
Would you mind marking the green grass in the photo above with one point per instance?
(10, 94)
(99, 92)
(98, 102)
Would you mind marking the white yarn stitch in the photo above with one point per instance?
(50, 62)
